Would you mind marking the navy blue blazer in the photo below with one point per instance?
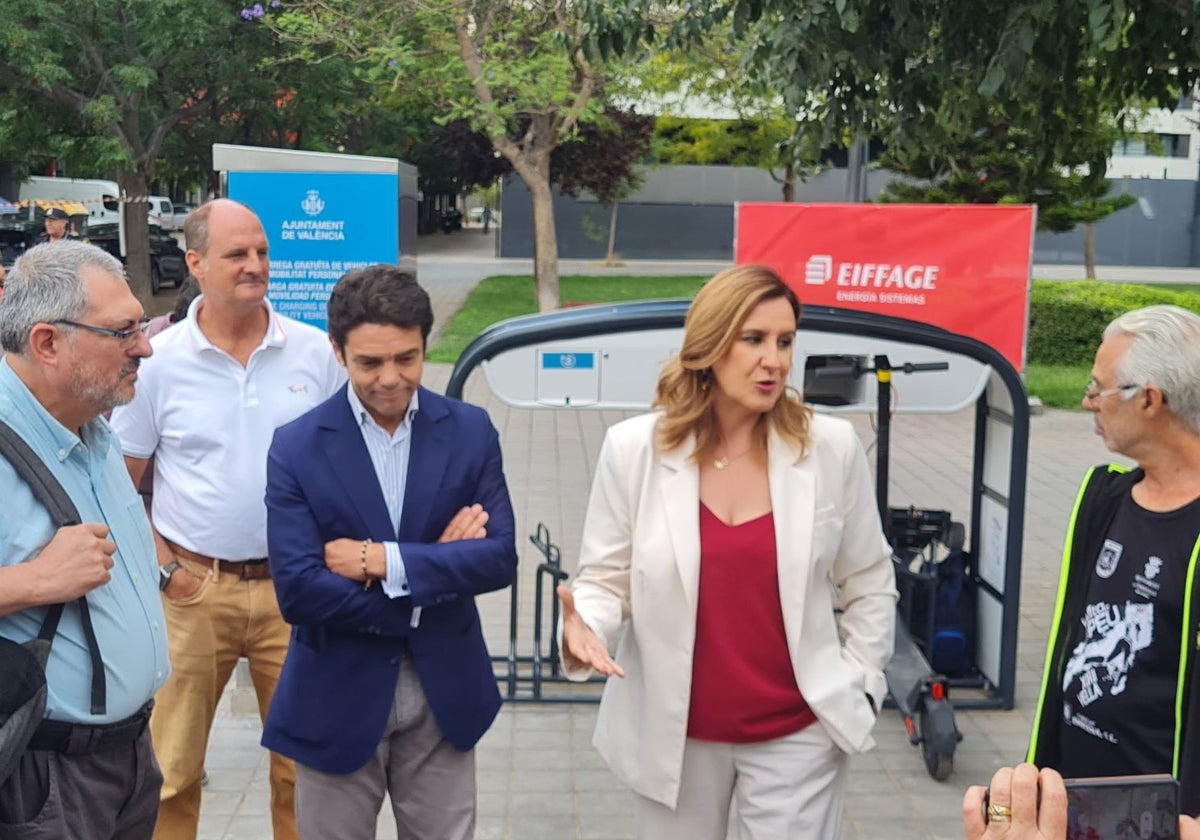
(339, 678)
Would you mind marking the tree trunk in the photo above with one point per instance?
(1089, 250)
(135, 187)
(610, 259)
(545, 241)
(789, 183)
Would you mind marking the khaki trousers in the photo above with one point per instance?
(227, 619)
(790, 788)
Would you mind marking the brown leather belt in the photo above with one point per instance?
(255, 569)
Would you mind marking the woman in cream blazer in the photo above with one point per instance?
(726, 437)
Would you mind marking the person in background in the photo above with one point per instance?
(1121, 692)
(221, 383)
(725, 533)
(56, 224)
(72, 333)
(189, 290)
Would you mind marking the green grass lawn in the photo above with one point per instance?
(507, 296)
(1057, 386)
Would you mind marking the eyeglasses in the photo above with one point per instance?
(1094, 392)
(123, 336)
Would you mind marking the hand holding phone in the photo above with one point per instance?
(1022, 803)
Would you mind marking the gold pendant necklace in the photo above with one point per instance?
(722, 463)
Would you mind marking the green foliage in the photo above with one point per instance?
(133, 85)
(603, 158)
(512, 70)
(927, 76)
(999, 165)
(1067, 319)
(721, 142)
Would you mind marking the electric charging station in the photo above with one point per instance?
(608, 357)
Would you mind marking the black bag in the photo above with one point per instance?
(22, 666)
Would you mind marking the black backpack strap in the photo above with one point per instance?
(47, 490)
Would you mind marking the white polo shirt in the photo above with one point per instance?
(209, 422)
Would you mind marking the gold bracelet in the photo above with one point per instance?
(362, 560)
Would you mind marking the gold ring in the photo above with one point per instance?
(999, 813)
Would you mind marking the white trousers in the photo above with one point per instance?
(787, 789)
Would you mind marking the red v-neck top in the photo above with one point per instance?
(743, 686)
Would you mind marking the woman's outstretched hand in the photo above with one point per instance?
(581, 647)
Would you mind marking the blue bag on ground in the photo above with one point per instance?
(953, 617)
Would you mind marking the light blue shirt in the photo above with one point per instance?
(389, 456)
(126, 612)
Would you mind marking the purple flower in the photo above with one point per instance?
(253, 13)
(247, 14)
(257, 10)
(393, 63)
(275, 4)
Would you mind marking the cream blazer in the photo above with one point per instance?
(639, 577)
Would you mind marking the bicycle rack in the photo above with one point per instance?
(524, 677)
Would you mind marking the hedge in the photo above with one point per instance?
(1067, 319)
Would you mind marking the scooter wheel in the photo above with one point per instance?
(938, 763)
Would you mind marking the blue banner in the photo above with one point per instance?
(320, 225)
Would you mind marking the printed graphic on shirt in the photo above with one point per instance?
(1113, 634)
(1109, 557)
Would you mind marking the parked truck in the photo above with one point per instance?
(101, 198)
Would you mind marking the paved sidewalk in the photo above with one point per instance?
(538, 775)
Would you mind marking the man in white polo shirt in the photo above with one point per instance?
(207, 408)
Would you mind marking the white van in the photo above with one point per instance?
(102, 198)
(162, 213)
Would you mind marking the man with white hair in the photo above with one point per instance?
(1115, 702)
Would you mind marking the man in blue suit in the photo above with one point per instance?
(387, 513)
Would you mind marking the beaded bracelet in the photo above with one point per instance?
(362, 560)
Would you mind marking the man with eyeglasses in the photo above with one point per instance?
(72, 330)
(207, 406)
(1120, 693)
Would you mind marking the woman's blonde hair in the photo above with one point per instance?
(714, 322)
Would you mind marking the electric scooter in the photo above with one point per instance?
(920, 694)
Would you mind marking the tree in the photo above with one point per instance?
(124, 83)
(996, 165)
(741, 142)
(710, 72)
(914, 73)
(131, 71)
(604, 160)
(501, 65)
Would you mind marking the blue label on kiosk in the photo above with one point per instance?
(320, 225)
(568, 361)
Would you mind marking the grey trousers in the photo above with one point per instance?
(431, 784)
(108, 795)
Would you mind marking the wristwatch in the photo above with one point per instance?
(165, 572)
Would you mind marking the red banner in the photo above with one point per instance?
(962, 267)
